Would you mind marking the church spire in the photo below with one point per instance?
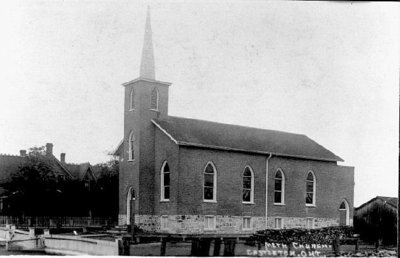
(147, 68)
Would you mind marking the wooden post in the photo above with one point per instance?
(205, 247)
(336, 246)
(163, 246)
(230, 245)
(217, 246)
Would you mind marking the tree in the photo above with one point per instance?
(36, 188)
(105, 193)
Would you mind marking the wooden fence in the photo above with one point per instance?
(56, 222)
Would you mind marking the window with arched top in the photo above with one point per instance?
(248, 186)
(279, 190)
(165, 182)
(154, 99)
(131, 146)
(132, 100)
(210, 183)
(310, 189)
(344, 213)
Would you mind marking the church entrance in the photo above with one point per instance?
(344, 214)
(130, 197)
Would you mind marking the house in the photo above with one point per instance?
(376, 220)
(10, 164)
(182, 175)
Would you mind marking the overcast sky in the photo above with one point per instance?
(329, 70)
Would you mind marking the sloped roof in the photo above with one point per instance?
(79, 171)
(10, 164)
(392, 201)
(205, 134)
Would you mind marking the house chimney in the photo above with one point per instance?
(22, 153)
(49, 149)
(62, 157)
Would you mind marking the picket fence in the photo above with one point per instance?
(56, 222)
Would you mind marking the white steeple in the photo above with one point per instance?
(147, 68)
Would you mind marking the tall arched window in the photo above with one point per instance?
(248, 186)
(310, 189)
(210, 183)
(131, 148)
(279, 192)
(132, 100)
(165, 182)
(344, 213)
(154, 99)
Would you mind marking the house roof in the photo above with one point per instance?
(392, 201)
(80, 171)
(10, 164)
(205, 134)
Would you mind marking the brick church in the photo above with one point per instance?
(183, 175)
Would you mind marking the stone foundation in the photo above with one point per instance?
(194, 224)
(301, 222)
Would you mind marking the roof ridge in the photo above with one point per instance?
(10, 155)
(388, 197)
(219, 123)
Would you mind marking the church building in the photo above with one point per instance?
(181, 175)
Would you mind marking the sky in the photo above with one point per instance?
(329, 70)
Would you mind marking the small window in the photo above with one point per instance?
(310, 223)
(342, 206)
(247, 223)
(131, 148)
(278, 223)
(165, 182)
(209, 222)
(210, 180)
(310, 189)
(248, 186)
(154, 99)
(132, 100)
(164, 222)
(279, 191)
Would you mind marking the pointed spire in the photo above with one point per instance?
(147, 68)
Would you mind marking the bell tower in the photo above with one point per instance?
(145, 99)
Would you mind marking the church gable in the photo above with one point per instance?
(205, 134)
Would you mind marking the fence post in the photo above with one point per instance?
(217, 246)
(230, 245)
(163, 246)
(195, 247)
(336, 246)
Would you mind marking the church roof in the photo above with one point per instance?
(205, 134)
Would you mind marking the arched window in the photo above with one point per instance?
(132, 100)
(310, 189)
(210, 183)
(279, 192)
(344, 213)
(165, 182)
(154, 99)
(131, 148)
(248, 186)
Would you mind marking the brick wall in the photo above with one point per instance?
(230, 167)
(139, 120)
(333, 184)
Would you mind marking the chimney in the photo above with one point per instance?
(62, 157)
(49, 149)
(22, 153)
